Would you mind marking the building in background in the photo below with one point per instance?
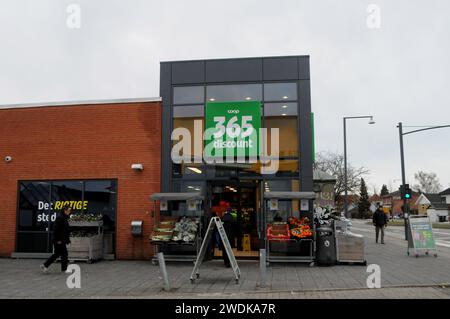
(434, 206)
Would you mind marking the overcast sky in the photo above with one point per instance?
(398, 72)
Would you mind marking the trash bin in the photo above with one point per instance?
(325, 245)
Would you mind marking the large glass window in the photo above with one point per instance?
(188, 111)
(101, 199)
(280, 91)
(34, 206)
(186, 117)
(284, 117)
(234, 92)
(188, 95)
(65, 191)
(39, 202)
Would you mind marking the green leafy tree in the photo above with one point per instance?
(384, 190)
(363, 204)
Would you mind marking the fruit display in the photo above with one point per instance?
(300, 227)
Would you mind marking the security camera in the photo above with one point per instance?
(8, 159)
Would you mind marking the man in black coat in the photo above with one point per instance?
(379, 220)
(61, 238)
(227, 220)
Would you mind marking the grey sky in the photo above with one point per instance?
(400, 72)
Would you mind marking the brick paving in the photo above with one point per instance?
(401, 276)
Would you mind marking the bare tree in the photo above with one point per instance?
(333, 164)
(427, 182)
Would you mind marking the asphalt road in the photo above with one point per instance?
(441, 236)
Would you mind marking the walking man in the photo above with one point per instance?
(379, 220)
(61, 238)
(227, 220)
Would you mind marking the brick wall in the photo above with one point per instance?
(84, 142)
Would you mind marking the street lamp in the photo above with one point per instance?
(371, 121)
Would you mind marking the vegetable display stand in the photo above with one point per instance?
(177, 230)
(289, 227)
(88, 244)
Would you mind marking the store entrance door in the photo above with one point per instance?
(241, 198)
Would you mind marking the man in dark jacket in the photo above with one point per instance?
(227, 220)
(379, 220)
(61, 238)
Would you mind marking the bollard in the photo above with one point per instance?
(262, 268)
(162, 267)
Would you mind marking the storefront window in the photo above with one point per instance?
(33, 217)
(280, 92)
(40, 201)
(65, 191)
(186, 117)
(190, 169)
(188, 95)
(284, 117)
(33, 206)
(101, 199)
(235, 92)
(188, 111)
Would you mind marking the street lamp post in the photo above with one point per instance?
(402, 161)
(371, 121)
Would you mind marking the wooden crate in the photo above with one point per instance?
(86, 248)
(350, 248)
(77, 223)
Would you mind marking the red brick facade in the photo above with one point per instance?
(97, 141)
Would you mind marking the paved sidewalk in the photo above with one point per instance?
(406, 276)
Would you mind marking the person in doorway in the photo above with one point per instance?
(227, 220)
(379, 220)
(61, 238)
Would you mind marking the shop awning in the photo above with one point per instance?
(289, 195)
(176, 196)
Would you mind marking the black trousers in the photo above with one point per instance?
(60, 251)
(226, 260)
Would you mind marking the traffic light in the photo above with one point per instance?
(405, 191)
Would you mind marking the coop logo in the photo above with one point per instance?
(233, 111)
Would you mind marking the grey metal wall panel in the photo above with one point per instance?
(165, 93)
(303, 68)
(280, 68)
(188, 72)
(306, 165)
(234, 70)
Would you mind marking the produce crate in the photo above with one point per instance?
(86, 248)
(350, 248)
(165, 236)
(98, 223)
(278, 231)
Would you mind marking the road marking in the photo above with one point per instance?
(443, 244)
(438, 242)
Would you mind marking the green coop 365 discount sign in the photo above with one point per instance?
(232, 128)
